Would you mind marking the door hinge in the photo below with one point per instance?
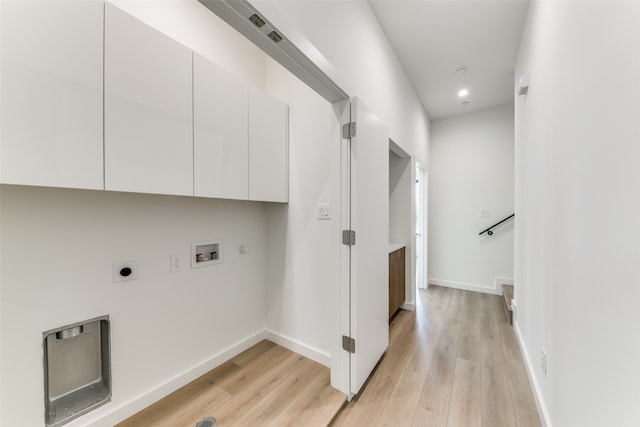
(348, 344)
(348, 237)
(348, 130)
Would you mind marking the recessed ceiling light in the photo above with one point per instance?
(462, 93)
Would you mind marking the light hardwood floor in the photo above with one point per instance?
(265, 385)
(453, 362)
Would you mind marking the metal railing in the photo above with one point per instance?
(488, 230)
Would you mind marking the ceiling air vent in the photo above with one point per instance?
(258, 22)
(275, 36)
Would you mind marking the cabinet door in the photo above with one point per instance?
(268, 148)
(51, 107)
(148, 109)
(396, 280)
(392, 283)
(400, 285)
(221, 133)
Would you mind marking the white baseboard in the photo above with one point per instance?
(408, 306)
(503, 281)
(111, 415)
(300, 348)
(466, 286)
(542, 408)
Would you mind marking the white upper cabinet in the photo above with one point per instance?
(268, 148)
(93, 98)
(148, 109)
(240, 138)
(51, 105)
(221, 133)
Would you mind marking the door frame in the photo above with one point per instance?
(425, 223)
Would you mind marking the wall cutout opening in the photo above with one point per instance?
(206, 253)
(77, 369)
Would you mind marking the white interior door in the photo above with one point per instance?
(366, 174)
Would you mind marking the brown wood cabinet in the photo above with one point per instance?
(396, 280)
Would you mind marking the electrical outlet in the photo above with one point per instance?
(176, 263)
(543, 361)
(125, 271)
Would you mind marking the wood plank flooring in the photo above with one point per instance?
(453, 362)
(263, 386)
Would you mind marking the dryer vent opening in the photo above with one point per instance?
(77, 369)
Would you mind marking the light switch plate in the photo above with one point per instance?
(324, 210)
(485, 213)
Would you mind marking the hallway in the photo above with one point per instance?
(442, 368)
(454, 362)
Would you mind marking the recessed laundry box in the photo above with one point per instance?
(77, 369)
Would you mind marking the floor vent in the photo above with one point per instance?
(207, 422)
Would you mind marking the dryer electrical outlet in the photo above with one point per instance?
(125, 271)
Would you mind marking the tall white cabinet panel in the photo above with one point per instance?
(268, 148)
(51, 104)
(148, 109)
(221, 134)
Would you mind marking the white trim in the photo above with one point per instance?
(425, 227)
(503, 281)
(300, 348)
(111, 415)
(341, 366)
(408, 306)
(537, 393)
(465, 286)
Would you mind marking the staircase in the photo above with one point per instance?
(507, 296)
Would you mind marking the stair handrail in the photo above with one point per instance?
(488, 230)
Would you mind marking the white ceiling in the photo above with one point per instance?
(434, 38)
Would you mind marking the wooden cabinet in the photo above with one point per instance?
(221, 132)
(51, 105)
(396, 280)
(268, 148)
(148, 134)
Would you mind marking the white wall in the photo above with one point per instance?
(300, 292)
(194, 26)
(58, 248)
(577, 234)
(364, 63)
(303, 254)
(295, 298)
(347, 33)
(399, 196)
(471, 168)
